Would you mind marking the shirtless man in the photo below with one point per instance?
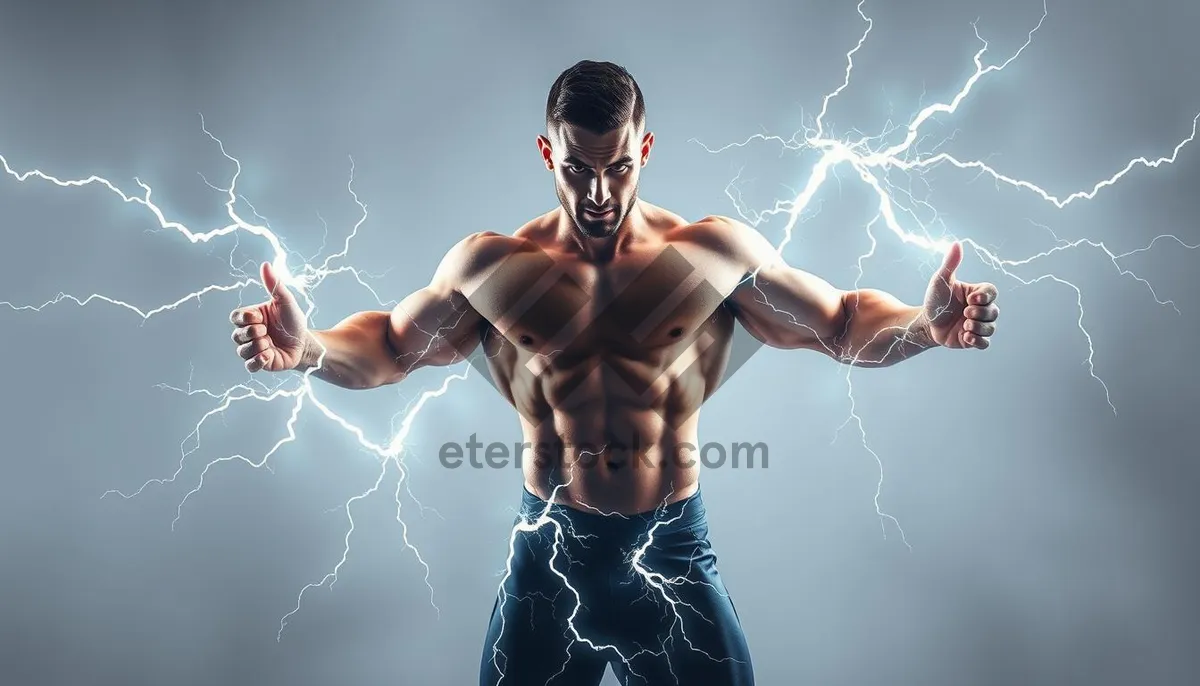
(607, 322)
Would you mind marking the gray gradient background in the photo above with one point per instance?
(1053, 542)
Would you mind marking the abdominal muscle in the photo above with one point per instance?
(625, 462)
(601, 446)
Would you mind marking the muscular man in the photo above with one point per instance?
(607, 322)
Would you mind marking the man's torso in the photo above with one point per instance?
(608, 364)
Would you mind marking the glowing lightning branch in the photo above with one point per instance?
(304, 280)
(870, 161)
(656, 584)
(558, 532)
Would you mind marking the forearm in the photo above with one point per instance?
(878, 330)
(355, 353)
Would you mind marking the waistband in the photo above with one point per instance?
(681, 515)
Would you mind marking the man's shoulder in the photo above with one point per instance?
(478, 253)
(532, 233)
(719, 234)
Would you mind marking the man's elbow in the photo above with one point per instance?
(408, 348)
(833, 335)
(860, 334)
(824, 336)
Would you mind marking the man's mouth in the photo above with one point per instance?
(602, 214)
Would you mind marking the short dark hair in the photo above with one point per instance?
(597, 96)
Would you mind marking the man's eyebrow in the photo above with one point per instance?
(571, 159)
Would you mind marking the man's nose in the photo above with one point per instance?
(599, 191)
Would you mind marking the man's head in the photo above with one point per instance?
(596, 144)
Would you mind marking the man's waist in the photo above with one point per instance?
(672, 515)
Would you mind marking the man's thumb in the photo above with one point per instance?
(953, 258)
(278, 291)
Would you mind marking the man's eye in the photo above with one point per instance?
(575, 169)
(621, 168)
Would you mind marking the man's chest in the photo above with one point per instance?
(547, 303)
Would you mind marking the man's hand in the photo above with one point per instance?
(271, 336)
(961, 315)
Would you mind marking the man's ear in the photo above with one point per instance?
(543, 144)
(647, 143)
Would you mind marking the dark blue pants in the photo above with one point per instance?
(639, 592)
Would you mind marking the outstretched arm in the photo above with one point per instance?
(785, 307)
(436, 325)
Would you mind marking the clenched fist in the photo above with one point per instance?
(961, 315)
(271, 336)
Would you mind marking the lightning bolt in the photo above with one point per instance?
(657, 586)
(558, 531)
(870, 158)
(304, 280)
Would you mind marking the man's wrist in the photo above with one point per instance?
(920, 331)
(310, 353)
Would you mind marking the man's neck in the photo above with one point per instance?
(601, 250)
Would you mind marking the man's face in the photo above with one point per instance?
(596, 176)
